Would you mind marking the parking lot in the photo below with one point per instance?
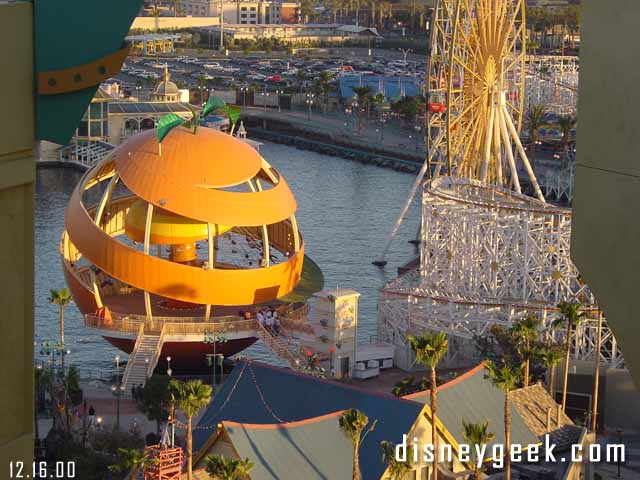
(293, 75)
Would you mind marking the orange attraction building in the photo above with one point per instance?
(168, 246)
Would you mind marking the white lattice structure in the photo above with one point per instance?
(488, 256)
(553, 82)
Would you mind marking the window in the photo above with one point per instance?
(243, 15)
(83, 129)
(243, 22)
(95, 110)
(96, 129)
(244, 9)
(253, 9)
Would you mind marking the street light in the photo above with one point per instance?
(244, 91)
(169, 371)
(117, 389)
(264, 96)
(278, 93)
(418, 130)
(309, 103)
(214, 339)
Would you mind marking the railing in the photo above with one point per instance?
(156, 354)
(170, 325)
(132, 356)
(277, 347)
(294, 319)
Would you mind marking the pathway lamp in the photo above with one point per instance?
(117, 389)
(309, 105)
(213, 339)
(244, 91)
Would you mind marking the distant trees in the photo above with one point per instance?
(564, 21)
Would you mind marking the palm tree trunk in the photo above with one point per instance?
(526, 373)
(596, 378)
(552, 379)
(434, 430)
(507, 435)
(189, 450)
(62, 336)
(356, 460)
(566, 368)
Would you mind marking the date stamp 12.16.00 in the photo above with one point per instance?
(42, 470)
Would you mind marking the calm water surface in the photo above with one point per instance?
(345, 211)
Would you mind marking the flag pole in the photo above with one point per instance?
(159, 149)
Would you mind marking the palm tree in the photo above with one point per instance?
(551, 355)
(227, 469)
(566, 124)
(429, 349)
(570, 317)
(396, 469)
(352, 424)
(505, 378)
(62, 298)
(130, 460)
(324, 83)
(534, 120)
(364, 98)
(190, 397)
(525, 333)
(476, 434)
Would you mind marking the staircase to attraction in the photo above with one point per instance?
(279, 347)
(143, 359)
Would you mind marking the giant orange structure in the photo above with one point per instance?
(163, 246)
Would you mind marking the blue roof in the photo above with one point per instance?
(314, 449)
(261, 394)
(392, 87)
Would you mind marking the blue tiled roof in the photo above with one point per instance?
(392, 87)
(261, 394)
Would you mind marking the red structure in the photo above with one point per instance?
(167, 464)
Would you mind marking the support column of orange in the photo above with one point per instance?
(147, 235)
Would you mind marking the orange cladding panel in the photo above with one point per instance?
(173, 280)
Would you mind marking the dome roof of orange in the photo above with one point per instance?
(193, 174)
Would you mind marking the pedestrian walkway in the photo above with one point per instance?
(339, 125)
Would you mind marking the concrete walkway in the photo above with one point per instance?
(340, 125)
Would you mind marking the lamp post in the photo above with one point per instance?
(172, 418)
(55, 349)
(418, 130)
(264, 96)
(278, 93)
(309, 104)
(383, 120)
(117, 390)
(244, 91)
(214, 338)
